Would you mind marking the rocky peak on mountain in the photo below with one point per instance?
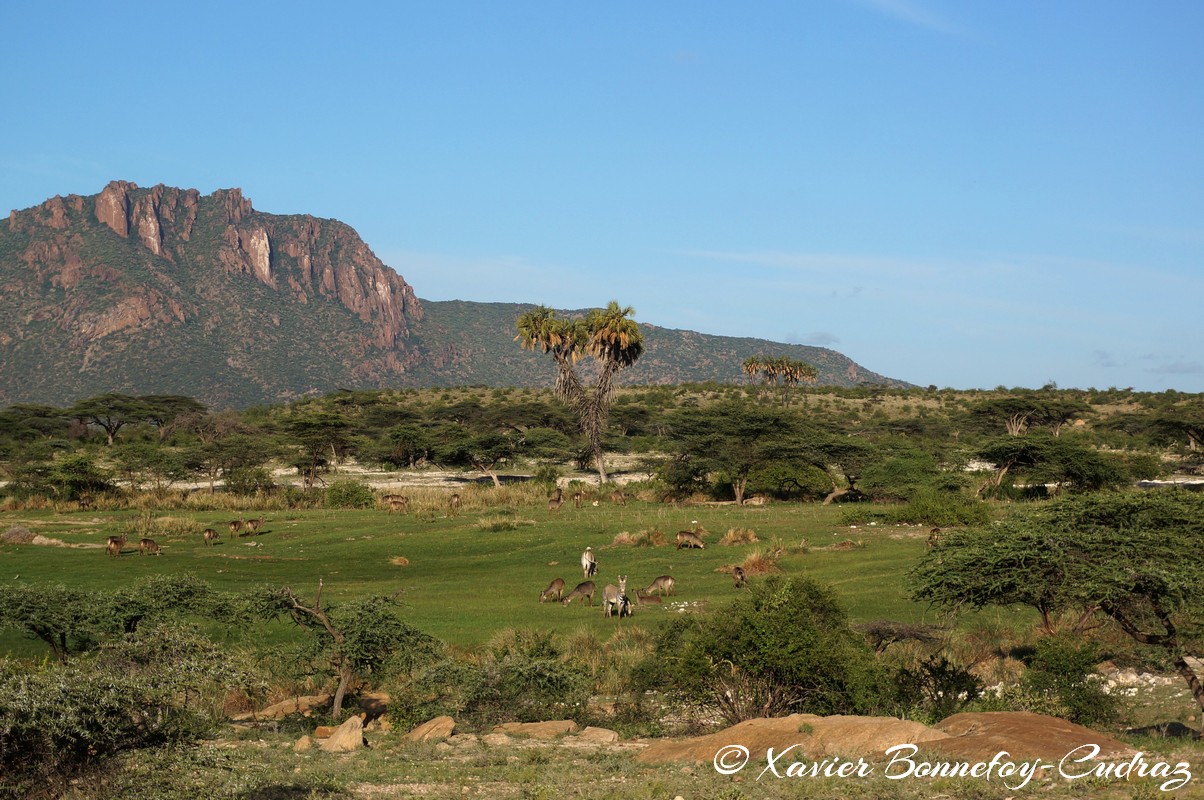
(304, 257)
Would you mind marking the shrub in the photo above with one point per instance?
(349, 494)
(158, 685)
(522, 676)
(936, 688)
(1063, 669)
(249, 481)
(783, 647)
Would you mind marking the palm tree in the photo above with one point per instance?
(607, 335)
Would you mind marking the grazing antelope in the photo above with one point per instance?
(642, 597)
(554, 591)
(210, 536)
(577, 498)
(618, 498)
(115, 545)
(397, 502)
(148, 546)
(934, 537)
(689, 539)
(589, 564)
(738, 577)
(662, 585)
(235, 527)
(253, 526)
(453, 504)
(584, 589)
(615, 600)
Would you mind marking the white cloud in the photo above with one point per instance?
(915, 14)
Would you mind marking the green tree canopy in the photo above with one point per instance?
(1135, 558)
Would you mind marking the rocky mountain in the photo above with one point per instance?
(166, 291)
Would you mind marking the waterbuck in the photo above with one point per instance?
(615, 600)
(642, 597)
(554, 504)
(584, 589)
(148, 546)
(738, 577)
(589, 564)
(115, 544)
(253, 526)
(554, 591)
(934, 537)
(210, 536)
(397, 502)
(453, 504)
(618, 498)
(235, 527)
(689, 539)
(662, 585)
(577, 498)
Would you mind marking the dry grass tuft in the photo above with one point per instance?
(495, 524)
(760, 562)
(652, 538)
(17, 534)
(735, 536)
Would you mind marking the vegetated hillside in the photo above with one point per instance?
(166, 291)
(472, 344)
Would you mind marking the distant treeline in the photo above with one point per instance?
(721, 441)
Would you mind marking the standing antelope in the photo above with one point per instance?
(689, 539)
(115, 545)
(148, 546)
(397, 502)
(253, 526)
(618, 498)
(738, 577)
(554, 591)
(235, 527)
(584, 589)
(453, 504)
(210, 536)
(934, 537)
(577, 498)
(589, 564)
(615, 600)
(662, 585)
(554, 504)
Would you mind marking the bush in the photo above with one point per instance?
(158, 685)
(349, 494)
(783, 647)
(1063, 669)
(520, 676)
(936, 688)
(926, 507)
(249, 481)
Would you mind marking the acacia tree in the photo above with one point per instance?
(356, 640)
(1134, 558)
(609, 336)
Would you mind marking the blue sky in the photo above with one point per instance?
(965, 194)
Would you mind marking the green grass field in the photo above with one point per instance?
(463, 582)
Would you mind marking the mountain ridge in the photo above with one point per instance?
(163, 290)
